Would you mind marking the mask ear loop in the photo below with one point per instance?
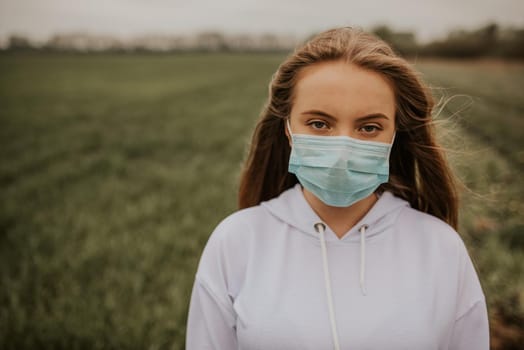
(391, 144)
(288, 125)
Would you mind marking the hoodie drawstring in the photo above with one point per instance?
(321, 228)
(362, 230)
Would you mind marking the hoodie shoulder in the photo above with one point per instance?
(226, 252)
(441, 243)
(238, 224)
(427, 228)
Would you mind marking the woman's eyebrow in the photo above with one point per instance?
(372, 116)
(318, 112)
(364, 118)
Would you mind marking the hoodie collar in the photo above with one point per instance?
(292, 208)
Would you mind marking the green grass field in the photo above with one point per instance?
(115, 169)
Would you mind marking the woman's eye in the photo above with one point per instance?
(369, 129)
(317, 124)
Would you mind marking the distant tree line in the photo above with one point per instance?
(488, 41)
(200, 42)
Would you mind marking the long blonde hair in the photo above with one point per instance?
(419, 172)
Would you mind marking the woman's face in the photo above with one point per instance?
(336, 98)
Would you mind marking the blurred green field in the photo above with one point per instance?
(115, 169)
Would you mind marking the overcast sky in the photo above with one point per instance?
(40, 19)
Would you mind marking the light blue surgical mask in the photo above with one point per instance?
(339, 170)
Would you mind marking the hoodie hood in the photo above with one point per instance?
(292, 208)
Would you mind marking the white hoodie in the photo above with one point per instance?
(262, 283)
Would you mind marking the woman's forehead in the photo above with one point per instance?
(344, 88)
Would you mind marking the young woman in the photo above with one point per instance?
(346, 238)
